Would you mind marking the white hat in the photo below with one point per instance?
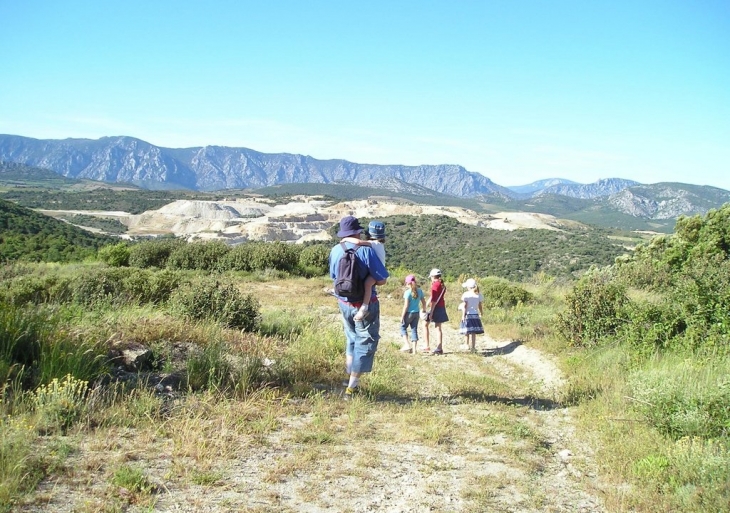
(434, 272)
(471, 283)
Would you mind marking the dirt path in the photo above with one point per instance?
(515, 453)
(480, 432)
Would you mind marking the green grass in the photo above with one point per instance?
(658, 424)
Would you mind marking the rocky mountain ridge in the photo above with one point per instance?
(602, 187)
(126, 159)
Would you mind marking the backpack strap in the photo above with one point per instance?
(443, 291)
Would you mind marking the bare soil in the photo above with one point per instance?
(509, 447)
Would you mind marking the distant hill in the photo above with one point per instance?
(29, 236)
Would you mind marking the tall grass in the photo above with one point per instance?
(36, 347)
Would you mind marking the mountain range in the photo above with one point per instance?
(129, 160)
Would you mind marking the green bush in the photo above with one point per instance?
(99, 286)
(274, 255)
(27, 289)
(238, 258)
(223, 303)
(684, 400)
(259, 256)
(593, 309)
(650, 326)
(153, 253)
(203, 256)
(501, 293)
(314, 260)
(116, 255)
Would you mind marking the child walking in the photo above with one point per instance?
(376, 231)
(437, 309)
(471, 313)
(413, 304)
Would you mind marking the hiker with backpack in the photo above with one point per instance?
(350, 264)
(376, 234)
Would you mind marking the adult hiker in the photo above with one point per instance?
(361, 336)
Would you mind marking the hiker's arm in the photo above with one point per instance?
(355, 240)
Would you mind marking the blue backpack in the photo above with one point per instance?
(348, 283)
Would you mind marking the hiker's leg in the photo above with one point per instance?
(426, 336)
(347, 313)
(405, 346)
(368, 286)
(367, 335)
(439, 337)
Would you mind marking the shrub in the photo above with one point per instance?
(99, 286)
(500, 293)
(153, 253)
(238, 258)
(680, 400)
(223, 303)
(274, 255)
(650, 326)
(202, 256)
(314, 260)
(116, 255)
(593, 308)
(60, 403)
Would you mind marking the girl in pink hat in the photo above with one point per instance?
(413, 304)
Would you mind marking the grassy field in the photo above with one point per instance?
(255, 421)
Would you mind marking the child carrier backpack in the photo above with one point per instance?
(348, 283)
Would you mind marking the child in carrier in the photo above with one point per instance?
(376, 232)
(413, 304)
(471, 313)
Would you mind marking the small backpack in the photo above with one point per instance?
(348, 283)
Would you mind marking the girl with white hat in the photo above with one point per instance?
(437, 309)
(471, 313)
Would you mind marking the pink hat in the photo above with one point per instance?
(410, 279)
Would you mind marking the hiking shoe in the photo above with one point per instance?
(350, 393)
(437, 351)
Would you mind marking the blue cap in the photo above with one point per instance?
(376, 229)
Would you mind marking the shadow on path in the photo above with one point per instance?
(499, 351)
(529, 401)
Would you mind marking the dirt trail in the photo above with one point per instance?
(448, 449)
(533, 467)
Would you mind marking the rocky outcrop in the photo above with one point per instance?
(604, 187)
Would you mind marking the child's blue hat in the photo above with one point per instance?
(376, 229)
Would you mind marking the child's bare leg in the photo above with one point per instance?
(368, 286)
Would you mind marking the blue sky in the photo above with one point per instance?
(515, 90)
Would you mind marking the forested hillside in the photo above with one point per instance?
(424, 242)
(29, 236)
